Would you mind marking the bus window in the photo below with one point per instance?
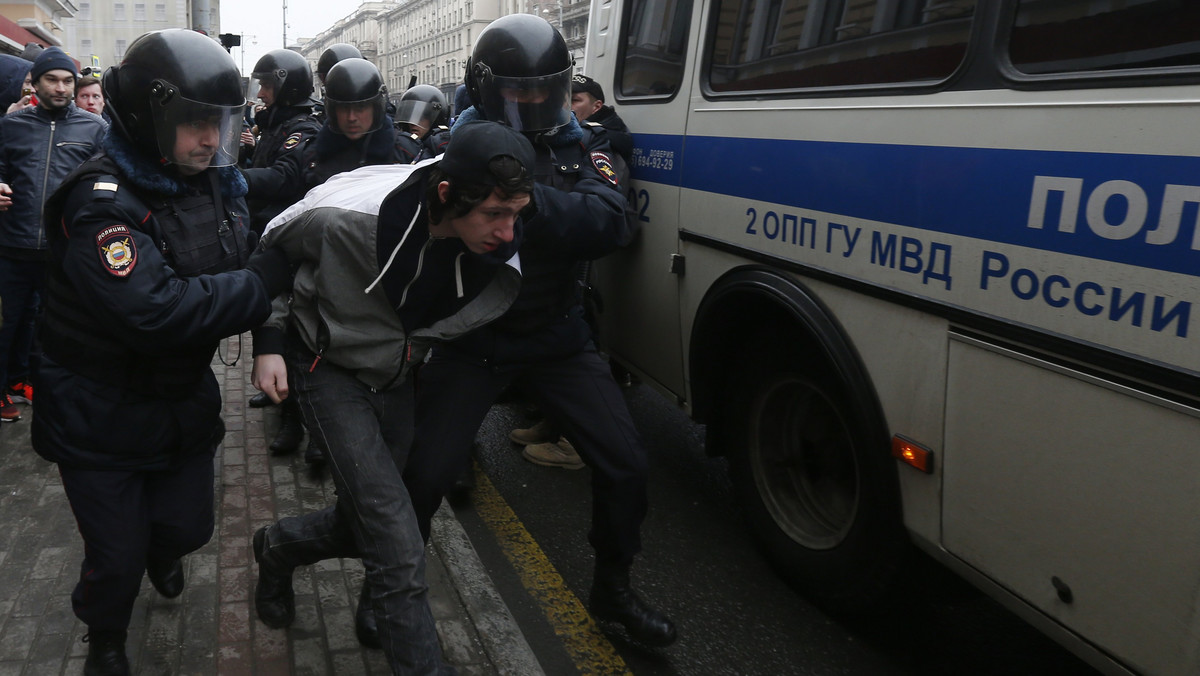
(656, 39)
(1108, 35)
(765, 45)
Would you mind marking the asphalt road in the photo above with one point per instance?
(700, 565)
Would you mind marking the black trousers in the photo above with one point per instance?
(127, 518)
(577, 392)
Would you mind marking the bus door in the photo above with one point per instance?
(640, 52)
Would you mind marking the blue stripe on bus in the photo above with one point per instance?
(973, 192)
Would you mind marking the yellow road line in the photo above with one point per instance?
(589, 648)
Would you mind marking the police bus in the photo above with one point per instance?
(926, 269)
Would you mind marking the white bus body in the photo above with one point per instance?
(999, 262)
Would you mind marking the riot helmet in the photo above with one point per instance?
(424, 106)
(172, 78)
(332, 55)
(286, 73)
(520, 74)
(353, 87)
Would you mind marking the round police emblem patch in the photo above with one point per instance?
(604, 165)
(117, 251)
(292, 141)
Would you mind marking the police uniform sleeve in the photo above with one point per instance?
(282, 180)
(118, 271)
(595, 218)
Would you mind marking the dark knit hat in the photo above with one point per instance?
(475, 144)
(585, 84)
(52, 58)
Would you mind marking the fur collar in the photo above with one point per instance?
(563, 136)
(150, 176)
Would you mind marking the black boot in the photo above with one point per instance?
(274, 600)
(106, 654)
(166, 576)
(364, 620)
(612, 599)
(315, 453)
(291, 429)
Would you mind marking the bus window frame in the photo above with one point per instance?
(1014, 78)
(965, 66)
(622, 61)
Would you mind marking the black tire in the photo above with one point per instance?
(816, 481)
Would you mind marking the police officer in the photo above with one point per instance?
(327, 60)
(285, 126)
(357, 131)
(421, 118)
(520, 74)
(147, 242)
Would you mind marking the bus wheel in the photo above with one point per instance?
(818, 492)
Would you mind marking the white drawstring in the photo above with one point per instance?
(395, 251)
(458, 283)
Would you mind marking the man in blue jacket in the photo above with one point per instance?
(39, 146)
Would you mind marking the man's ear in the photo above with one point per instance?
(444, 192)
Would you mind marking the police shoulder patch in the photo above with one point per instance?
(603, 164)
(292, 141)
(117, 251)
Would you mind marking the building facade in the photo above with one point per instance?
(429, 41)
(37, 21)
(102, 30)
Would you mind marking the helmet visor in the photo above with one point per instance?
(195, 135)
(538, 103)
(355, 118)
(413, 111)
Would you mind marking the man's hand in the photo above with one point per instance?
(23, 102)
(248, 138)
(270, 376)
(5, 197)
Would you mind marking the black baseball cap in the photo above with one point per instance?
(585, 84)
(474, 145)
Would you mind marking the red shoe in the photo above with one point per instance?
(8, 410)
(21, 393)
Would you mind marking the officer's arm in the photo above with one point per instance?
(282, 179)
(119, 271)
(594, 218)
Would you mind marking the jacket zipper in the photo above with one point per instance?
(45, 183)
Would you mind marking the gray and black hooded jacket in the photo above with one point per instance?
(373, 290)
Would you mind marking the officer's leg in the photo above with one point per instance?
(580, 394)
(453, 397)
(179, 505)
(110, 509)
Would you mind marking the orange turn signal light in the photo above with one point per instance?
(911, 453)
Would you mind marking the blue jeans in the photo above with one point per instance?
(21, 285)
(366, 434)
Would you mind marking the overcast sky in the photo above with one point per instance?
(261, 22)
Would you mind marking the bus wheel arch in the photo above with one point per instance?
(788, 400)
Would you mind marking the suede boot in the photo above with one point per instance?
(613, 599)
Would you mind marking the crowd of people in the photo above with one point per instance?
(398, 269)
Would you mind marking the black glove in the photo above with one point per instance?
(271, 265)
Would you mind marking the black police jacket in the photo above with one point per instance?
(284, 133)
(582, 215)
(143, 282)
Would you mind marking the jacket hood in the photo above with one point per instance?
(12, 75)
